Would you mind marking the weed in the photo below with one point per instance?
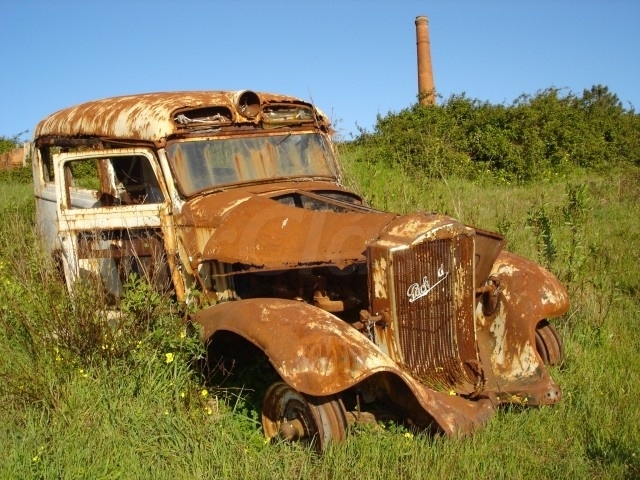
(575, 213)
(540, 223)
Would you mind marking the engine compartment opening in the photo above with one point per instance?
(342, 292)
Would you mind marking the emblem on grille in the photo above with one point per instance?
(419, 290)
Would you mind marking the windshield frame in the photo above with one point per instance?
(202, 164)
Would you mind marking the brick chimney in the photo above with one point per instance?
(426, 87)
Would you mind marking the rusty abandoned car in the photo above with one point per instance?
(238, 196)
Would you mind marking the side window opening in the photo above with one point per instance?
(82, 184)
(48, 172)
(136, 182)
(110, 182)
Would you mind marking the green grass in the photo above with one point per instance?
(99, 406)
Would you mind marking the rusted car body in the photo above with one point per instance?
(235, 199)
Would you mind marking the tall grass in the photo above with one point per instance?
(80, 409)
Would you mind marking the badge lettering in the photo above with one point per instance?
(419, 290)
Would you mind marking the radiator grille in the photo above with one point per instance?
(433, 293)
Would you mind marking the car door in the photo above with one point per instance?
(109, 206)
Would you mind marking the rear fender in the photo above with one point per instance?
(506, 338)
(318, 354)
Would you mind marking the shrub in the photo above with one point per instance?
(535, 137)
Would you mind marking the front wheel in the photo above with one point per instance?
(290, 415)
(549, 344)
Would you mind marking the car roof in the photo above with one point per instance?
(150, 116)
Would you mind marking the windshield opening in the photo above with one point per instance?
(201, 165)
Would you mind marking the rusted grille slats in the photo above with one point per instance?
(435, 328)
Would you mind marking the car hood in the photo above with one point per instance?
(259, 232)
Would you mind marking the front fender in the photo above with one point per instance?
(319, 354)
(311, 349)
(506, 338)
(529, 291)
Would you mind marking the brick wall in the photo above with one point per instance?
(16, 158)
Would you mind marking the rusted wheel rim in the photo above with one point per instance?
(289, 415)
(549, 344)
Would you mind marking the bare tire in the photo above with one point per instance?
(290, 415)
(549, 343)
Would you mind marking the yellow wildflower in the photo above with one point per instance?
(204, 392)
(169, 357)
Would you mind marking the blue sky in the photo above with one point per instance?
(355, 59)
